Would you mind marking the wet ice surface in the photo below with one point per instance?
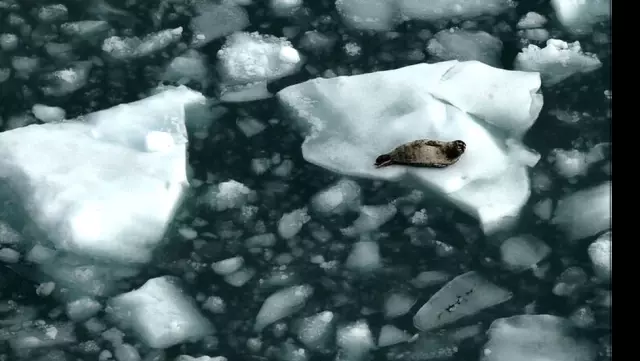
(193, 181)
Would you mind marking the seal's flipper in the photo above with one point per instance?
(383, 161)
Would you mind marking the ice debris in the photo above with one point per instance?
(463, 296)
(160, 314)
(281, 304)
(600, 255)
(536, 338)
(584, 213)
(557, 61)
(463, 45)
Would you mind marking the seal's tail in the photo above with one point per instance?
(383, 161)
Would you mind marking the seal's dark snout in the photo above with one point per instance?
(383, 160)
(460, 146)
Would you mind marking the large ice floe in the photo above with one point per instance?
(102, 189)
(348, 121)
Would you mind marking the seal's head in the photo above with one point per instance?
(456, 148)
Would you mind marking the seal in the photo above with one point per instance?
(423, 153)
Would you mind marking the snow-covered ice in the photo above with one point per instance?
(584, 213)
(557, 61)
(536, 338)
(130, 48)
(531, 20)
(346, 129)
(160, 314)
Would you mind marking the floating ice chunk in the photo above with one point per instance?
(188, 67)
(463, 296)
(41, 335)
(520, 253)
(339, 198)
(536, 338)
(285, 7)
(430, 278)
(371, 218)
(201, 358)
(247, 58)
(282, 304)
(250, 126)
(85, 29)
(83, 309)
(600, 255)
(573, 163)
(240, 277)
(216, 20)
(398, 304)
(8, 42)
(291, 223)
(585, 212)
(92, 191)
(364, 257)
(316, 42)
(580, 16)
(316, 331)
(447, 9)
(557, 61)
(66, 81)
(457, 44)
(244, 92)
(160, 314)
(52, 13)
(126, 352)
(134, 47)
(8, 235)
(570, 281)
(376, 15)
(531, 20)
(540, 35)
(346, 128)
(228, 266)
(391, 335)
(228, 195)
(8, 255)
(354, 341)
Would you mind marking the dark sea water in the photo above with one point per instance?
(229, 153)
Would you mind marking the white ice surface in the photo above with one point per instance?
(349, 121)
(92, 187)
(160, 314)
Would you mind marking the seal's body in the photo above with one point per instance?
(424, 153)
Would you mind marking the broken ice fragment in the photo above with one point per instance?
(463, 296)
(371, 218)
(398, 304)
(66, 81)
(291, 223)
(364, 257)
(228, 266)
(282, 304)
(435, 10)
(557, 61)
(520, 253)
(160, 314)
(85, 29)
(316, 331)
(134, 47)
(463, 45)
(228, 195)
(354, 341)
(536, 338)
(376, 15)
(600, 255)
(531, 20)
(339, 198)
(215, 20)
(585, 212)
(248, 61)
(391, 335)
(580, 16)
(188, 67)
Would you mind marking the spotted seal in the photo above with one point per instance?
(424, 153)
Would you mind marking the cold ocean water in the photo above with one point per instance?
(193, 180)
